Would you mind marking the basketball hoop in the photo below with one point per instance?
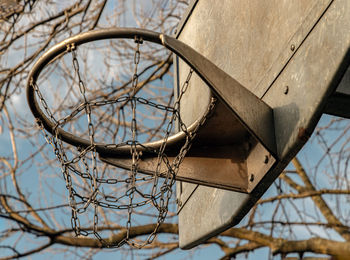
(78, 155)
(77, 152)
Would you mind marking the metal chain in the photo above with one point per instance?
(133, 148)
(161, 192)
(92, 149)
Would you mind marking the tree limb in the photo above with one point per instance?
(319, 201)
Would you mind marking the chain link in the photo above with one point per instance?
(84, 163)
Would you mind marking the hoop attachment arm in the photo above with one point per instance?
(252, 112)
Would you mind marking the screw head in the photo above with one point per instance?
(286, 90)
(266, 159)
(292, 47)
(178, 202)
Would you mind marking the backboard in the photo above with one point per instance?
(292, 55)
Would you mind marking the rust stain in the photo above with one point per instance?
(303, 134)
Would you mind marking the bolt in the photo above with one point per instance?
(286, 90)
(292, 47)
(251, 178)
(178, 202)
(175, 32)
(266, 159)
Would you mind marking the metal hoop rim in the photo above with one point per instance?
(63, 48)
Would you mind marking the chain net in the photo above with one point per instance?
(89, 181)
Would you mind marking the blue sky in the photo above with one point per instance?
(33, 180)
